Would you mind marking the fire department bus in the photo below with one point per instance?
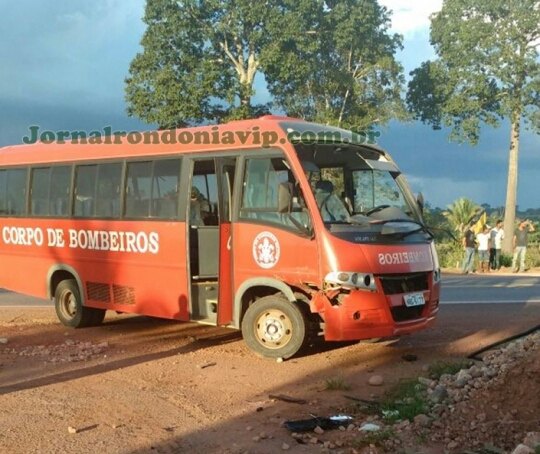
(313, 234)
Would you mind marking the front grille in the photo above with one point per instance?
(404, 313)
(97, 291)
(404, 283)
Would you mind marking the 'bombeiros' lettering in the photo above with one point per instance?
(398, 258)
(98, 240)
(104, 240)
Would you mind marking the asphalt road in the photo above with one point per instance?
(456, 289)
(491, 289)
(11, 299)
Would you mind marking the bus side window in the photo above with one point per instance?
(3, 192)
(165, 189)
(85, 184)
(260, 198)
(59, 192)
(108, 190)
(139, 187)
(39, 192)
(203, 197)
(16, 191)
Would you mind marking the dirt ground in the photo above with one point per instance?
(139, 385)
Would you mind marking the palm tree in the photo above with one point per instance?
(461, 212)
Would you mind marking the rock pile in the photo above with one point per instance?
(490, 406)
(491, 402)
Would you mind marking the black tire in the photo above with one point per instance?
(69, 308)
(274, 327)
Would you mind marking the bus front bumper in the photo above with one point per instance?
(363, 315)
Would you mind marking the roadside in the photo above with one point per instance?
(138, 385)
(504, 271)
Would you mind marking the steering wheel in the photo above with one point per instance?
(375, 209)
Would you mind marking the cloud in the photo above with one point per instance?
(409, 17)
(68, 51)
(64, 63)
(444, 171)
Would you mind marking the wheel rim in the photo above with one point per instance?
(273, 329)
(68, 304)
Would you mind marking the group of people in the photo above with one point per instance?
(489, 242)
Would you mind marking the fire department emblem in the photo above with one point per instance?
(266, 250)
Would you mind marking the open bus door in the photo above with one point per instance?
(209, 239)
(226, 169)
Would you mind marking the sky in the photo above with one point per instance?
(63, 65)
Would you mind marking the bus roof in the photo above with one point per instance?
(261, 132)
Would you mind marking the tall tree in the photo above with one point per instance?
(487, 69)
(333, 62)
(199, 61)
(324, 60)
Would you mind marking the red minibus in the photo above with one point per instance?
(282, 228)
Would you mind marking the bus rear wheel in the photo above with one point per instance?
(274, 327)
(70, 310)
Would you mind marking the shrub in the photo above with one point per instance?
(450, 254)
(533, 256)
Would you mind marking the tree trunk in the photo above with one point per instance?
(245, 95)
(511, 189)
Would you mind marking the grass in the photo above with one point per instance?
(439, 368)
(406, 400)
(336, 384)
(373, 438)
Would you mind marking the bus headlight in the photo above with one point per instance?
(436, 275)
(349, 279)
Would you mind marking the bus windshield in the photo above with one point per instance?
(358, 186)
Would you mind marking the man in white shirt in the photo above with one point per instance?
(483, 249)
(496, 237)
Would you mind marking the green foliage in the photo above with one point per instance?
(405, 400)
(439, 368)
(506, 260)
(488, 67)
(532, 259)
(333, 62)
(336, 384)
(460, 213)
(199, 60)
(435, 219)
(449, 253)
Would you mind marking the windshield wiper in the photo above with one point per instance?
(421, 227)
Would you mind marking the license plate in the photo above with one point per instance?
(414, 299)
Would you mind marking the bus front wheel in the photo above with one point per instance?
(69, 307)
(274, 327)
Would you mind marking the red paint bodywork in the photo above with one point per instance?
(160, 281)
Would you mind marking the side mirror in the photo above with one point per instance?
(420, 201)
(284, 197)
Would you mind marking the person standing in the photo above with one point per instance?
(468, 245)
(496, 238)
(521, 238)
(483, 249)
